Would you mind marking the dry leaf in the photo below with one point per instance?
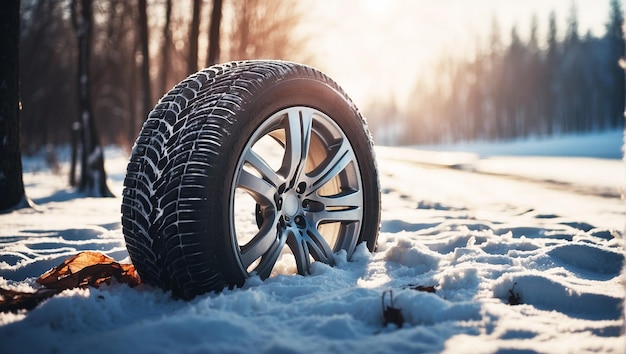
(82, 270)
(88, 269)
(427, 289)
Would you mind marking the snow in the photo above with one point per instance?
(480, 226)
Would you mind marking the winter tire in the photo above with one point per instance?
(241, 164)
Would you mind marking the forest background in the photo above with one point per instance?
(509, 87)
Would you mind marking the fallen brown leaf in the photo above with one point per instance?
(427, 289)
(80, 271)
(88, 269)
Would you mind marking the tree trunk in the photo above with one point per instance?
(194, 33)
(11, 183)
(93, 176)
(145, 53)
(133, 77)
(214, 33)
(165, 48)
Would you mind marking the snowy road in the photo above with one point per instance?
(590, 192)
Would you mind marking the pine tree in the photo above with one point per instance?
(615, 38)
(551, 77)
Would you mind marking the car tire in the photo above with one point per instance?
(243, 163)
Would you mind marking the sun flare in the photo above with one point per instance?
(378, 6)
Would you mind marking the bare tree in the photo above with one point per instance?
(93, 176)
(118, 75)
(166, 48)
(47, 59)
(145, 62)
(11, 183)
(194, 33)
(265, 29)
(214, 33)
(116, 87)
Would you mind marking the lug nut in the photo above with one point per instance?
(300, 221)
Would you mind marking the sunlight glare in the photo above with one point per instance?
(378, 7)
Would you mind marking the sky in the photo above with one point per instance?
(377, 49)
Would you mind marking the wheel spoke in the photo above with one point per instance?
(269, 258)
(298, 136)
(319, 248)
(346, 200)
(300, 252)
(337, 163)
(261, 245)
(261, 190)
(339, 215)
(257, 162)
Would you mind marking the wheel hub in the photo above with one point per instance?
(291, 205)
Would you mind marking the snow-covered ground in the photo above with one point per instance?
(476, 225)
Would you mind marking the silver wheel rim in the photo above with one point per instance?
(297, 184)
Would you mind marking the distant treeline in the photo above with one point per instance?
(527, 88)
(559, 84)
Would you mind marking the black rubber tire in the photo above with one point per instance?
(177, 190)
